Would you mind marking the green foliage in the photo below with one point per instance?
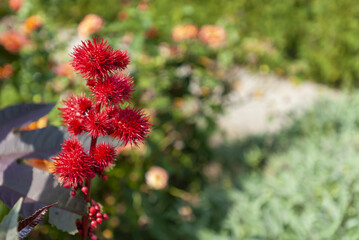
(307, 187)
(8, 226)
(299, 184)
(311, 39)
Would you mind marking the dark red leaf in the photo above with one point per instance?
(21, 115)
(27, 225)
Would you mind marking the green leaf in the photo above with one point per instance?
(8, 226)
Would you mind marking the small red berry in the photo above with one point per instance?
(92, 210)
(104, 177)
(90, 215)
(73, 193)
(97, 207)
(93, 237)
(105, 216)
(84, 190)
(98, 215)
(99, 220)
(94, 223)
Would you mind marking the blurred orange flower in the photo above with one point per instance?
(157, 178)
(142, 6)
(212, 35)
(31, 23)
(183, 32)
(92, 23)
(12, 41)
(40, 123)
(6, 71)
(151, 33)
(15, 4)
(122, 16)
(41, 164)
(64, 70)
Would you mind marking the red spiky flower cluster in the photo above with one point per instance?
(97, 59)
(73, 165)
(102, 115)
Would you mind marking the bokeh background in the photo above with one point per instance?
(194, 179)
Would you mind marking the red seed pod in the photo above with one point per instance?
(114, 89)
(104, 155)
(74, 112)
(131, 126)
(96, 59)
(72, 165)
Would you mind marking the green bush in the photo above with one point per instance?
(307, 186)
(311, 39)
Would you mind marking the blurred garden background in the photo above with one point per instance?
(205, 172)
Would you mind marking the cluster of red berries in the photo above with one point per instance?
(102, 67)
(95, 217)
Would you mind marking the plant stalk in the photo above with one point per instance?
(85, 219)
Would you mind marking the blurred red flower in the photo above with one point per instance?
(6, 71)
(15, 4)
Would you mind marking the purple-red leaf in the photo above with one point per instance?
(27, 225)
(39, 189)
(21, 115)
